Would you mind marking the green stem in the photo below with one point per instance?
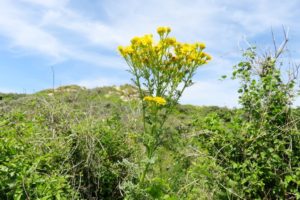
(141, 97)
(145, 171)
(152, 146)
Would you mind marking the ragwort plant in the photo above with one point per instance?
(161, 71)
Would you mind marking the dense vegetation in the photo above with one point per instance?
(137, 142)
(79, 143)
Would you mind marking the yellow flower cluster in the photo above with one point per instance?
(145, 40)
(191, 54)
(124, 51)
(170, 41)
(162, 30)
(136, 42)
(200, 45)
(144, 53)
(157, 100)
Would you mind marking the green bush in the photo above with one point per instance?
(51, 150)
(258, 148)
(29, 170)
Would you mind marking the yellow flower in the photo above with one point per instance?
(158, 47)
(163, 29)
(146, 40)
(129, 50)
(157, 100)
(125, 50)
(148, 98)
(208, 57)
(186, 48)
(200, 45)
(160, 100)
(121, 50)
(192, 57)
(135, 40)
(170, 41)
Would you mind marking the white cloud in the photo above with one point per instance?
(259, 16)
(219, 24)
(25, 36)
(48, 3)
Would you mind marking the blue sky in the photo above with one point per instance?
(79, 39)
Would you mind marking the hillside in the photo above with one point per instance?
(78, 143)
(74, 142)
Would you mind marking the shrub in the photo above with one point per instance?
(258, 148)
(52, 150)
